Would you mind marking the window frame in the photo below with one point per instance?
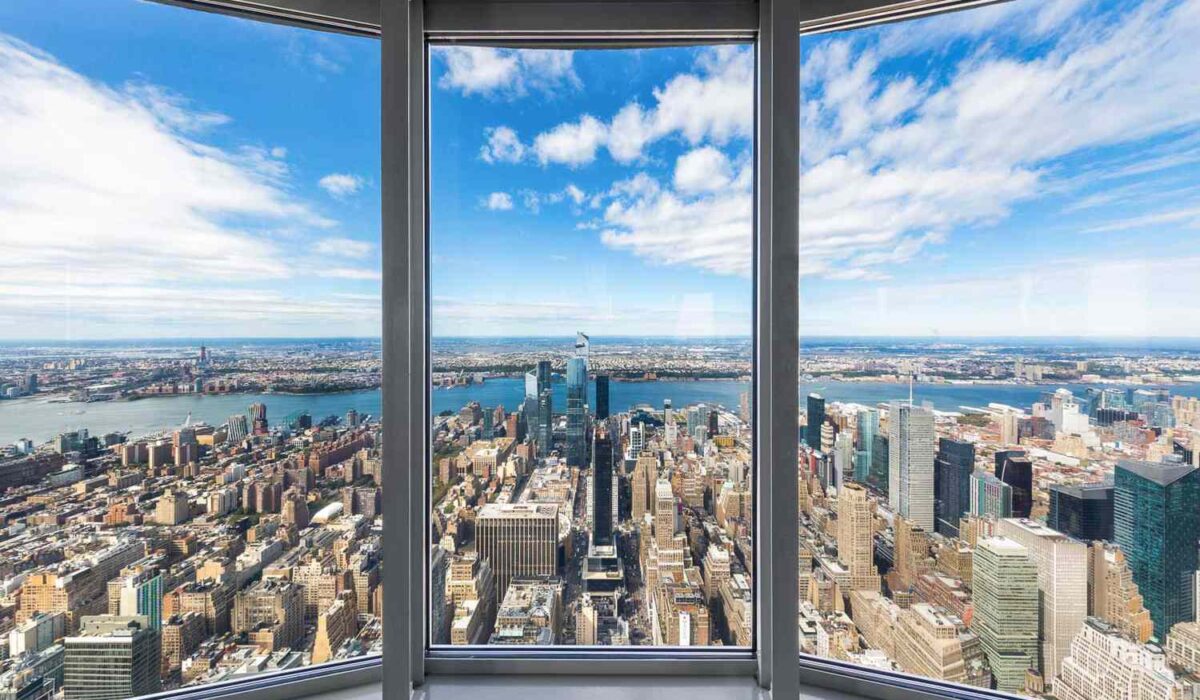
(776, 28)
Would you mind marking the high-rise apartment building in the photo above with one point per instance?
(1083, 511)
(1157, 525)
(603, 488)
(990, 497)
(953, 466)
(1006, 610)
(910, 463)
(602, 396)
(141, 593)
(1062, 566)
(641, 486)
(271, 612)
(519, 539)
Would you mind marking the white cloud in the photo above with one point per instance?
(109, 195)
(714, 103)
(571, 144)
(507, 72)
(343, 247)
(498, 201)
(703, 169)
(341, 184)
(503, 146)
(575, 194)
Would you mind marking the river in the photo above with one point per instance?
(41, 420)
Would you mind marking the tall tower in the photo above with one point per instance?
(601, 396)
(952, 481)
(577, 373)
(1014, 468)
(867, 429)
(1157, 524)
(603, 506)
(910, 463)
(815, 417)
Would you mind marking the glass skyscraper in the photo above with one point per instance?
(816, 416)
(576, 420)
(952, 482)
(1156, 522)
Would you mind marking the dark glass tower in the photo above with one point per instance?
(545, 423)
(1014, 468)
(1083, 511)
(816, 416)
(1156, 522)
(601, 396)
(878, 476)
(602, 490)
(952, 484)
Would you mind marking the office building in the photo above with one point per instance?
(814, 419)
(856, 537)
(1006, 610)
(601, 396)
(545, 423)
(1183, 647)
(910, 463)
(1062, 572)
(953, 466)
(1014, 468)
(1157, 525)
(1113, 596)
(517, 540)
(1083, 511)
(112, 658)
(866, 430)
(271, 613)
(531, 612)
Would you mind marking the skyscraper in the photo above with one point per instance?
(1014, 468)
(910, 463)
(1156, 522)
(141, 593)
(815, 417)
(1083, 511)
(603, 506)
(1062, 566)
(952, 481)
(258, 418)
(601, 396)
(576, 418)
(856, 537)
(867, 429)
(545, 423)
(990, 497)
(1006, 610)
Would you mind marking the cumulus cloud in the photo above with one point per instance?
(713, 103)
(894, 163)
(341, 184)
(110, 195)
(704, 169)
(571, 144)
(503, 146)
(498, 201)
(481, 70)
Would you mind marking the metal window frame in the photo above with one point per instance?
(776, 27)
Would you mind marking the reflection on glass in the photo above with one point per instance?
(189, 349)
(1000, 450)
(590, 236)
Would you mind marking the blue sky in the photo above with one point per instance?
(1031, 168)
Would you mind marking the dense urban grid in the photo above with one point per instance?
(132, 564)
(1047, 548)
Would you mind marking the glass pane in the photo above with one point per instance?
(1000, 456)
(590, 241)
(189, 348)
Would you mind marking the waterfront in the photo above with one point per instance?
(41, 420)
